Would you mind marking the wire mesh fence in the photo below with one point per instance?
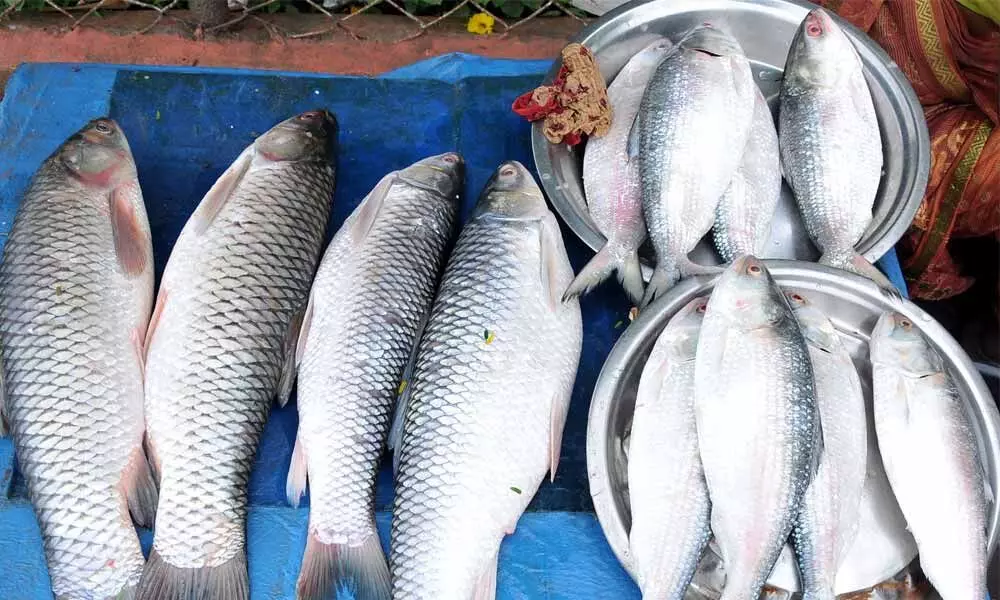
(207, 17)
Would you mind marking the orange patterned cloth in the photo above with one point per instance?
(952, 58)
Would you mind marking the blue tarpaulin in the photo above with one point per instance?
(185, 126)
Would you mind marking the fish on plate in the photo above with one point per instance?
(76, 289)
(490, 392)
(697, 108)
(221, 347)
(757, 422)
(372, 291)
(931, 457)
(831, 149)
(611, 181)
(666, 484)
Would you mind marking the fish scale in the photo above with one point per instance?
(72, 375)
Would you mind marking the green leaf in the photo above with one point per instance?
(512, 9)
(515, 489)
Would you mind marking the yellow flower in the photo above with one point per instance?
(481, 24)
(356, 9)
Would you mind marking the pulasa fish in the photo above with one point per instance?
(373, 289)
(490, 392)
(931, 457)
(829, 516)
(743, 217)
(757, 422)
(76, 289)
(831, 152)
(611, 181)
(669, 497)
(688, 138)
(221, 347)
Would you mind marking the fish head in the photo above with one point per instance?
(747, 296)
(821, 54)
(312, 134)
(682, 331)
(98, 154)
(711, 39)
(512, 194)
(815, 326)
(443, 173)
(896, 342)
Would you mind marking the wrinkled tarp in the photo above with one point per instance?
(185, 126)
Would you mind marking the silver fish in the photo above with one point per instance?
(374, 286)
(490, 392)
(830, 513)
(221, 347)
(831, 152)
(756, 415)
(76, 288)
(611, 181)
(688, 138)
(930, 454)
(667, 490)
(743, 217)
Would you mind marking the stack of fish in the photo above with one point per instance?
(693, 148)
(120, 406)
(750, 426)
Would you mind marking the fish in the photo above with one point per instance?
(688, 138)
(374, 286)
(221, 346)
(490, 392)
(831, 509)
(931, 457)
(743, 216)
(667, 490)
(76, 289)
(831, 149)
(755, 410)
(611, 182)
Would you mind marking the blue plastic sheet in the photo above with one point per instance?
(185, 126)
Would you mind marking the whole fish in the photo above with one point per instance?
(829, 516)
(76, 288)
(930, 454)
(755, 410)
(688, 138)
(374, 286)
(831, 152)
(490, 391)
(743, 217)
(221, 346)
(611, 181)
(666, 484)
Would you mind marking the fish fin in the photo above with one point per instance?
(395, 438)
(163, 581)
(630, 276)
(136, 337)
(365, 214)
(632, 145)
(152, 459)
(557, 423)
(131, 241)
(855, 263)
(154, 320)
(486, 586)
(300, 341)
(689, 268)
(4, 424)
(140, 489)
(550, 239)
(328, 568)
(221, 191)
(600, 267)
(664, 277)
(296, 330)
(298, 474)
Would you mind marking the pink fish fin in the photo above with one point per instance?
(486, 587)
(154, 320)
(164, 581)
(328, 568)
(294, 345)
(221, 191)
(550, 241)
(132, 243)
(137, 338)
(140, 488)
(298, 474)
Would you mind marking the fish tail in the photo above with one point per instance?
(664, 277)
(855, 263)
(163, 581)
(593, 273)
(326, 568)
(140, 489)
(630, 276)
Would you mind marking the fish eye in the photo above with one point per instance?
(797, 297)
(754, 269)
(308, 117)
(701, 307)
(450, 159)
(905, 324)
(814, 29)
(507, 171)
(103, 128)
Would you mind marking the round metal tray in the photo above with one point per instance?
(883, 547)
(765, 29)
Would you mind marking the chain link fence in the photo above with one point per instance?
(208, 17)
